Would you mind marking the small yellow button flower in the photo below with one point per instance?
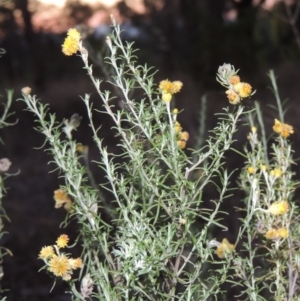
(279, 208)
(224, 248)
(176, 86)
(177, 127)
(46, 252)
(184, 136)
(61, 198)
(71, 43)
(62, 241)
(283, 233)
(75, 263)
(169, 88)
(233, 97)
(26, 90)
(283, 129)
(74, 34)
(277, 233)
(243, 89)
(181, 144)
(175, 111)
(70, 46)
(165, 86)
(59, 266)
(251, 170)
(235, 79)
(272, 234)
(263, 167)
(277, 172)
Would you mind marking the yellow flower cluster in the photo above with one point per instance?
(224, 248)
(277, 172)
(61, 198)
(276, 209)
(237, 90)
(168, 88)
(283, 129)
(71, 43)
(59, 263)
(279, 208)
(277, 233)
(183, 137)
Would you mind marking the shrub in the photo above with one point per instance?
(150, 236)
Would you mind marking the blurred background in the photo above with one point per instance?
(185, 40)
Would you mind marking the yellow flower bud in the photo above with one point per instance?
(26, 90)
(184, 136)
(251, 170)
(166, 97)
(181, 144)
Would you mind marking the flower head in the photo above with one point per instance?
(61, 198)
(74, 34)
(177, 127)
(26, 90)
(71, 43)
(251, 170)
(235, 79)
(233, 97)
(62, 241)
(224, 248)
(181, 144)
(283, 129)
(46, 252)
(279, 208)
(176, 86)
(184, 136)
(243, 89)
(75, 263)
(169, 88)
(277, 172)
(59, 266)
(263, 167)
(277, 233)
